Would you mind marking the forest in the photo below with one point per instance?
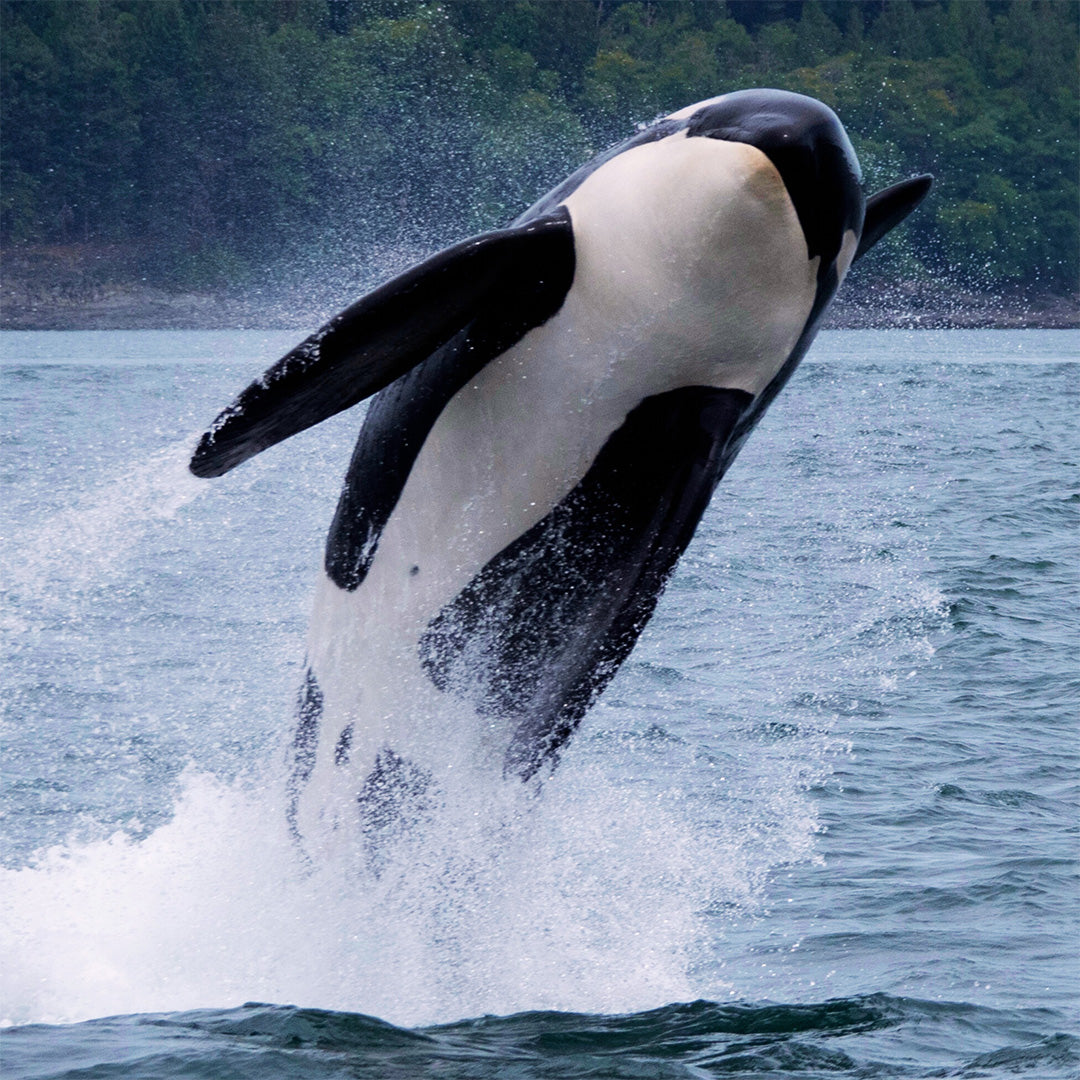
(211, 144)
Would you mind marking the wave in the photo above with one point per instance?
(866, 1036)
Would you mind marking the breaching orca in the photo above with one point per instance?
(556, 402)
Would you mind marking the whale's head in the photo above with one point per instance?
(808, 146)
(811, 151)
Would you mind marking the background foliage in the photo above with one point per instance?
(210, 140)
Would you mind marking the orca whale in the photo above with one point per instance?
(554, 404)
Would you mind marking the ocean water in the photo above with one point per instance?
(823, 824)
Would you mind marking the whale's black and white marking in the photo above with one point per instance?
(556, 402)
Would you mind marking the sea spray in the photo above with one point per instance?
(589, 895)
(87, 540)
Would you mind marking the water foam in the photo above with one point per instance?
(587, 896)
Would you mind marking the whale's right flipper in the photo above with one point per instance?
(541, 630)
(516, 278)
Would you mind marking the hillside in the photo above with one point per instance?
(182, 161)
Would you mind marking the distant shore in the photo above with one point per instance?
(57, 294)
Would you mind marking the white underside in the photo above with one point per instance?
(691, 270)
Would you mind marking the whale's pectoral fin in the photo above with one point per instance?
(541, 630)
(389, 331)
(886, 209)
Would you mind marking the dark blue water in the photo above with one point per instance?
(824, 822)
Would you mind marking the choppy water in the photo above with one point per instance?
(824, 822)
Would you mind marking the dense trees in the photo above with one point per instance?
(216, 137)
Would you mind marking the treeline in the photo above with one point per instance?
(217, 138)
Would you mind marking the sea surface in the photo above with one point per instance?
(824, 823)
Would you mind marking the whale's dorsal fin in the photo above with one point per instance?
(521, 274)
(886, 209)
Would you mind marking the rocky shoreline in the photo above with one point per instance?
(57, 294)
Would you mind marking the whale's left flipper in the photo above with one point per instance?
(522, 274)
(544, 626)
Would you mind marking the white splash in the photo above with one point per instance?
(586, 897)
